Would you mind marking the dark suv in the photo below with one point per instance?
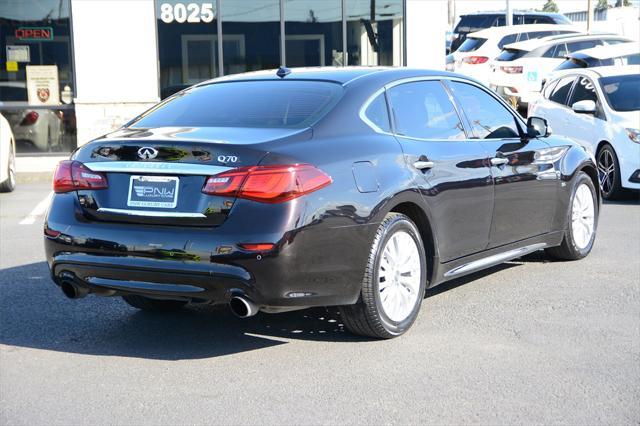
(478, 21)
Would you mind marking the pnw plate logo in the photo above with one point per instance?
(152, 192)
(147, 153)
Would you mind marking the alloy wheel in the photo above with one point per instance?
(606, 171)
(582, 216)
(399, 276)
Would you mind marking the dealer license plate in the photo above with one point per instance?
(153, 191)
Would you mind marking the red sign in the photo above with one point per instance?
(34, 33)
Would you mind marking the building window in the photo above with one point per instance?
(313, 33)
(251, 35)
(375, 33)
(36, 78)
(263, 34)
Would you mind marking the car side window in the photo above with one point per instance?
(423, 110)
(581, 45)
(511, 38)
(487, 116)
(548, 88)
(377, 113)
(557, 51)
(561, 91)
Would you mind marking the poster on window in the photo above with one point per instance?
(42, 85)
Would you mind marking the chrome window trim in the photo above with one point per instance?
(392, 84)
(150, 213)
(155, 167)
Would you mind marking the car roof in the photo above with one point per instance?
(608, 51)
(517, 29)
(530, 45)
(515, 12)
(597, 72)
(340, 75)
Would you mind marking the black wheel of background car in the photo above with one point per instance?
(10, 184)
(609, 173)
(394, 282)
(582, 221)
(147, 304)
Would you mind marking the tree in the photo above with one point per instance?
(602, 4)
(620, 3)
(550, 6)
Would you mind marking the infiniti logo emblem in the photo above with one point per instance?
(147, 153)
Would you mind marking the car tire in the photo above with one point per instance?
(155, 305)
(397, 241)
(582, 221)
(10, 184)
(609, 173)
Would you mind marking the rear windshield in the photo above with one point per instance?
(572, 63)
(262, 104)
(471, 44)
(622, 92)
(511, 54)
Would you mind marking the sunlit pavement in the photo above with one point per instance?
(530, 341)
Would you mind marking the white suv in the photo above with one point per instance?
(518, 72)
(600, 108)
(474, 54)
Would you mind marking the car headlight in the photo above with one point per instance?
(634, 135)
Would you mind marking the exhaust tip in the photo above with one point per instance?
(72, 290)
(243, 307)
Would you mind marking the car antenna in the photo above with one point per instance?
(283, 72)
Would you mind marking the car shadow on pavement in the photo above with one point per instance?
(35, 314)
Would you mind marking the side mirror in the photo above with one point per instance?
(537, 126)
(584, 107)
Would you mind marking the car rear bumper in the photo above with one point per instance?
(317, 265)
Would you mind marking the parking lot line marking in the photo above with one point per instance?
(37, 211)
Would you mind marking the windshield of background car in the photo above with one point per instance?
(471, 44)
(511, 55)
(259, 104)
(622, 92)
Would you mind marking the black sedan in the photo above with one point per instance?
(351, 187)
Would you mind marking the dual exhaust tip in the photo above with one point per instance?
(240, 305)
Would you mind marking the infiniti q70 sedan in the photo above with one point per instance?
(281, 190)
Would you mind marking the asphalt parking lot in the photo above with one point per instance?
(530, 341)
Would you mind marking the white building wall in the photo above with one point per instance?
(426, 22)
(116, 63)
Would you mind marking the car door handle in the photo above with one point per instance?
(423, 165)
(499, 161)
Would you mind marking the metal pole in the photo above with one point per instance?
(219, 32)
(283, 57)
(509, 14)
(589, 15)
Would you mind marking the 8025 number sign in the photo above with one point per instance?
(191, 13)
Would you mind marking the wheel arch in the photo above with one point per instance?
(417, 214)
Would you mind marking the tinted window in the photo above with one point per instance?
(537, 20)
(561, 91)
(377, 113)
(472, 23)
(583, 91)
(548, 88)
(631, 59)
(284, 104)
(557, 51)
(622, 92)
(511, 55)
(423, 110)
(511, 38)
(488, 117)
(581, 45)
(471, 44)
(13, 94)
(572, 64)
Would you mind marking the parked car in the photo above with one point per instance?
(473, 22)
(519, 71)
(41, 128)
(599, 108)
(603, 56)
(7, 157)
(474, 55)
(298, 188)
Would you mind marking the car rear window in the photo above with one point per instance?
(473, 23)
(471, 44)
(572, 63)
(260, 104)
(511, 54)
(622, 92)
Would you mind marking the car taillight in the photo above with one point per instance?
(512, 70)
(73, 175)
(30, 118)
(475, 60)
(267, 184)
